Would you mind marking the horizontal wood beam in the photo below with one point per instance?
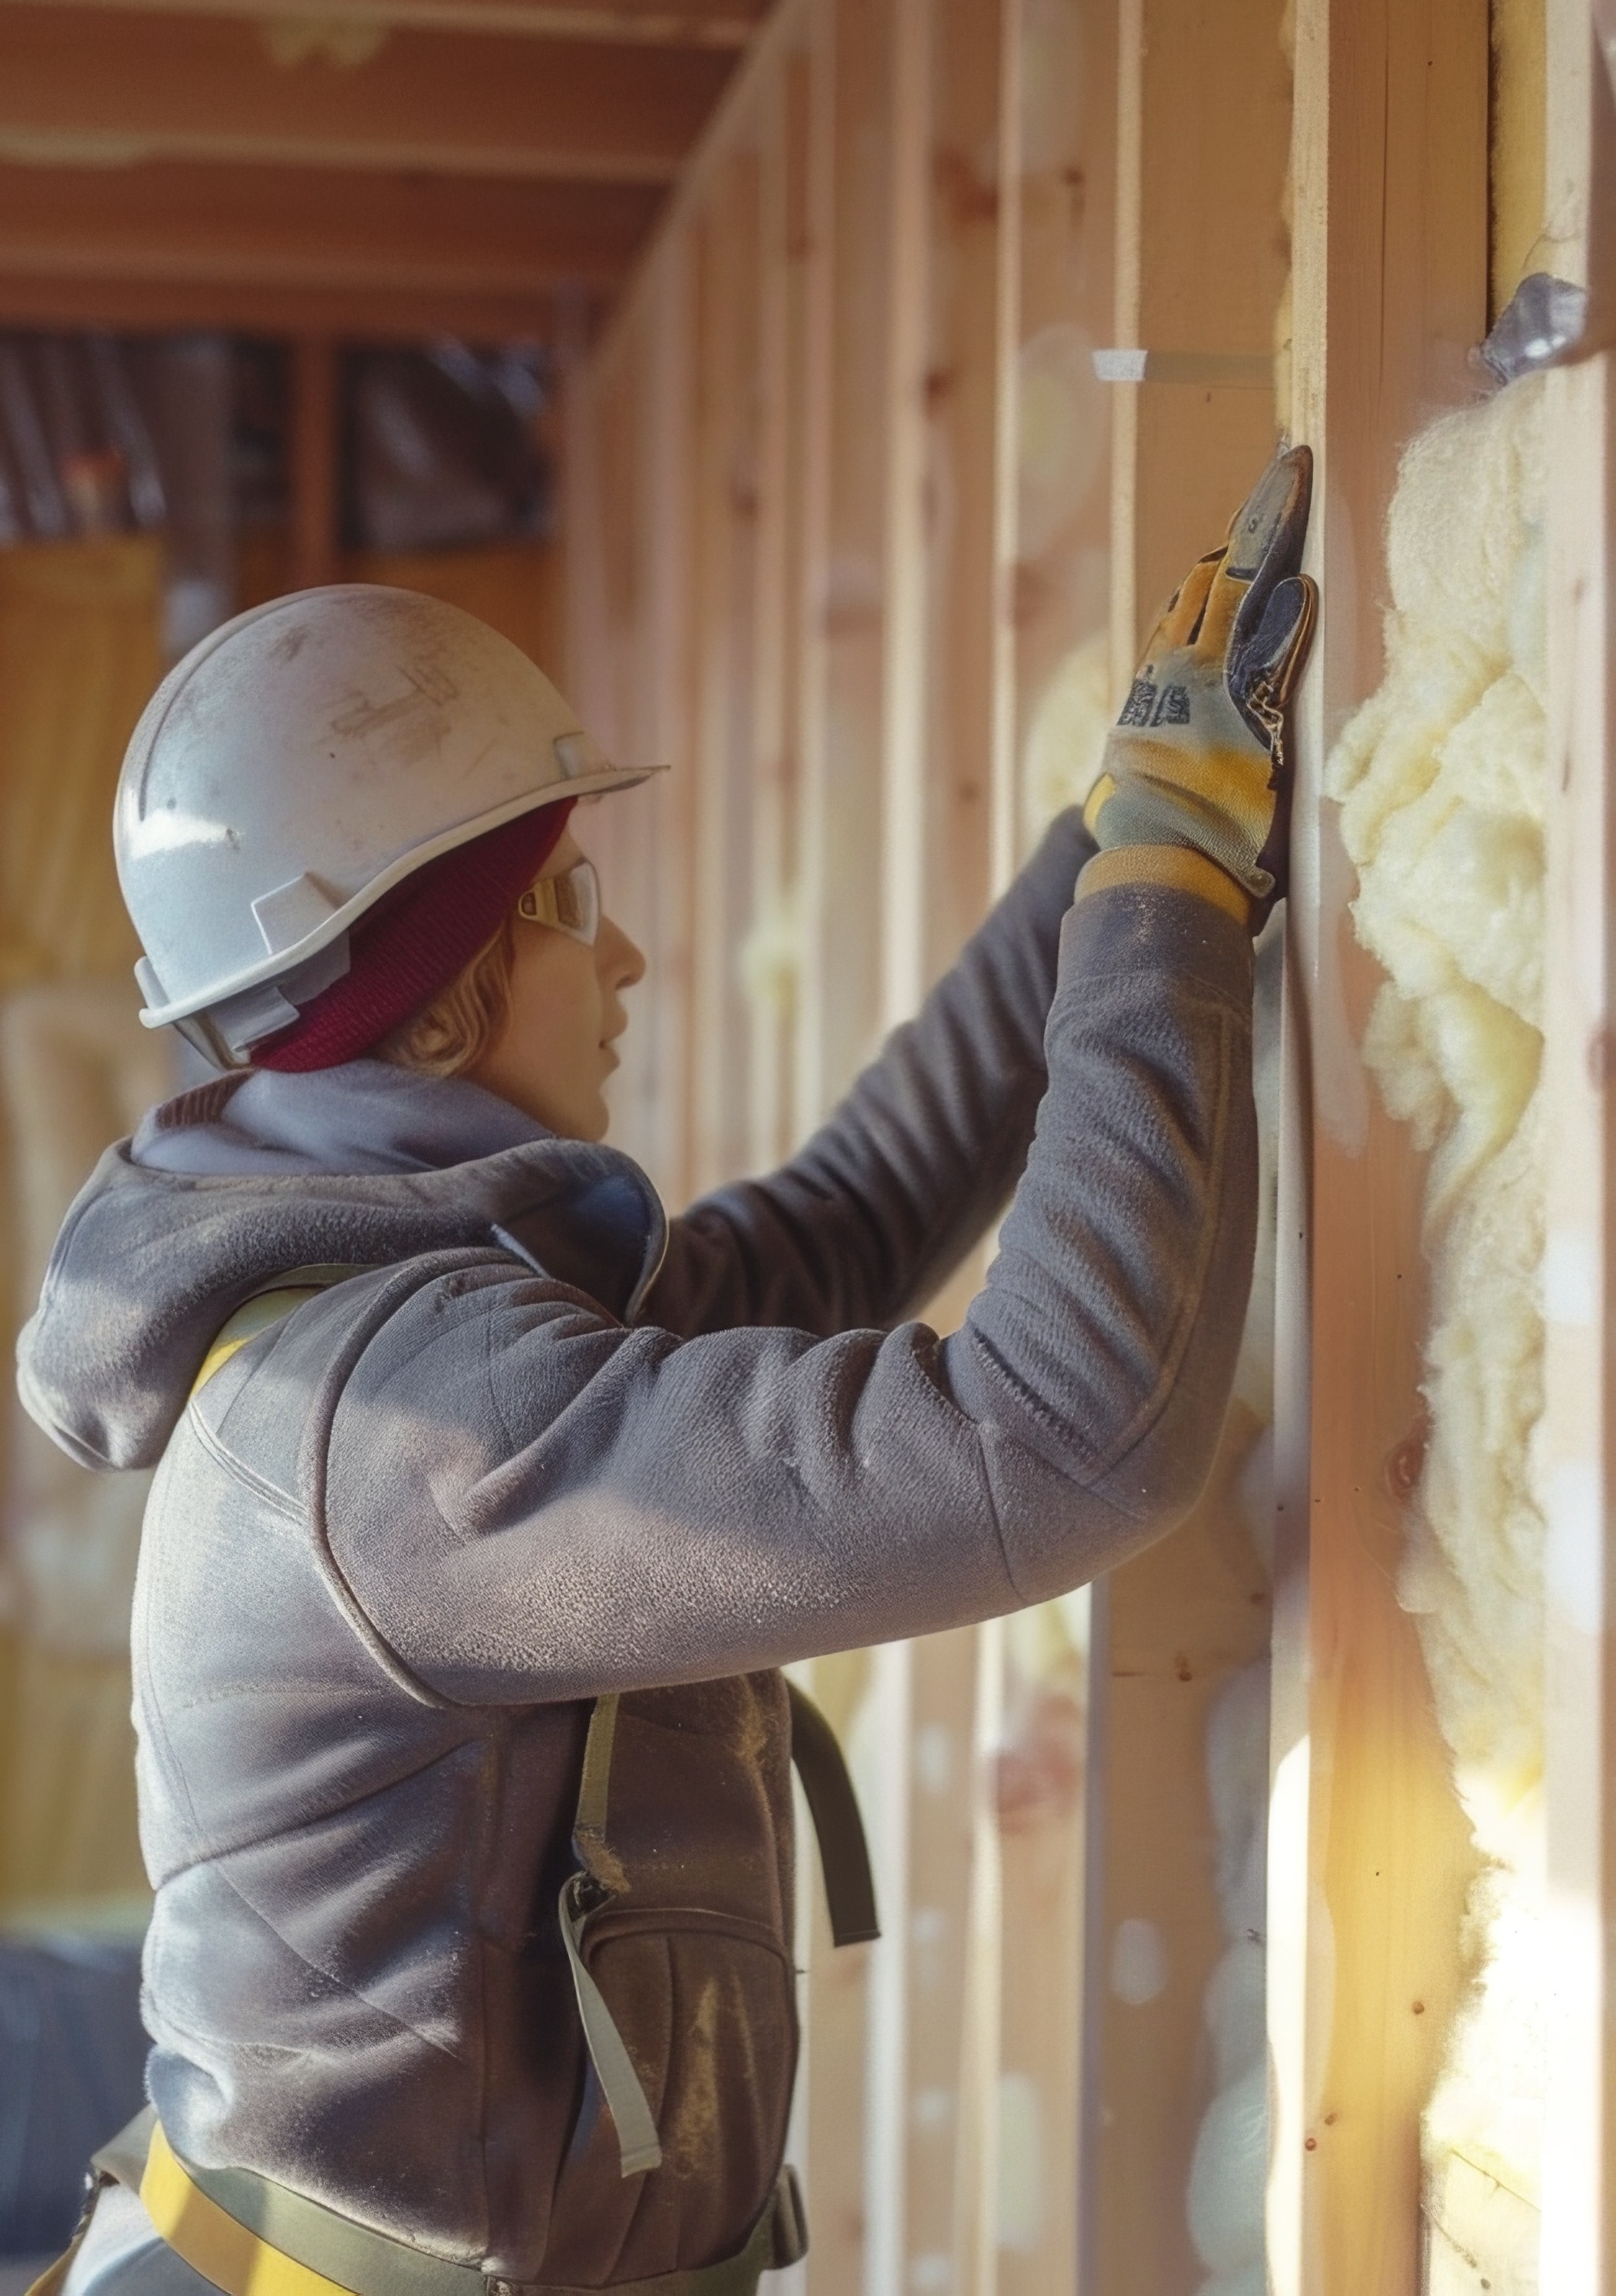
(652, 23)
(113, 87)
(400, 315)
(268, 249)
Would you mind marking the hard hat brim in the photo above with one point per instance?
(276, 966)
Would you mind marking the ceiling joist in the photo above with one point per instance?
(83, 88)
(652, 23)
(267, 248)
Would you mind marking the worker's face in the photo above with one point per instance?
(556, 1048)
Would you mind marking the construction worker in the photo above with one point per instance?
(489, 1501)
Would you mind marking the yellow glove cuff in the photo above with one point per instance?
(1177, 866)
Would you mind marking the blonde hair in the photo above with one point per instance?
(452, 1033)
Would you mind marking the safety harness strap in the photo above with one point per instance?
(583, 1893)
(251, 2236)
(844, 1858)
(844, 1853)
(265, 1308)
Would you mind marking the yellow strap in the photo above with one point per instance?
(1177, 866)
(214, 2244)
(247, 1322)
(53, 2279)
(267, 1307)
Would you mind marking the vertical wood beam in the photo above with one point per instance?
(663, 681)
(842, 1010)
(1199, 269)
(1059, 581)
(783, 159)
(905, 791)
(1049, 570)
(812, 641)
(725, 239)
(313, 461)
(1005, 797)
(1368, 1852)
(839, 1982)
(966, 365)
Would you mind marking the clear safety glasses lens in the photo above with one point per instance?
(570, 902)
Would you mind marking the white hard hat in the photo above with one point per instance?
(300, 762)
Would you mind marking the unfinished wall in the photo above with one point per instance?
(78, 656)
(893, 441)
(838, 511)
(1441, 778)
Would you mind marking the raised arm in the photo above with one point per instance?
(530, 1502)
(581, 1505)
(865, 1223)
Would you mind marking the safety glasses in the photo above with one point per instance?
(570, 902)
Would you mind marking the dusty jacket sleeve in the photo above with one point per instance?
(529, 1502)
(870, 1218)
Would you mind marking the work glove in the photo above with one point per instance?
(1196, 762)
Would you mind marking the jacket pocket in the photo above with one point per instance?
(706, 2007)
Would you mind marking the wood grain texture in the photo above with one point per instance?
(1517, 159)
(1171, 1629)
(345, 25)
(268, 250)
(1368, 1869)
(1199, 266)
(116, 88)
(724, 446)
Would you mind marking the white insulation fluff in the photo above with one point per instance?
(1441, 782)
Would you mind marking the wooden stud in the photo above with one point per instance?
(1199, 266)
(1061, 579)
(725, 611)
(812, 636)
(1052, 594)
(901, 726)
(783, 131)
(667, 419)
(964, 376)
(1368, 1852)
(838, 2096)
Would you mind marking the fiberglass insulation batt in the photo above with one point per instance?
(1441, 782)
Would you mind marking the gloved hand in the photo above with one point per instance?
(1196, 761)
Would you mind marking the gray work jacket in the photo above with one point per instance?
(548, 1444)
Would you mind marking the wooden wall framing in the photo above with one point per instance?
(795, 572)
(806, 572)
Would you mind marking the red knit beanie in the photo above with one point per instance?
(415, 940)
